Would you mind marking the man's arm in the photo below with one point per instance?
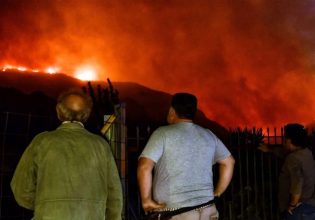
(144, 174)
(276, 149)
(226, 167)
(296, 183)
(23, 183)
(294, 202)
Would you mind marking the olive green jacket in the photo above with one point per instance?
(68, 174)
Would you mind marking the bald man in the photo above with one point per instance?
(69, 173)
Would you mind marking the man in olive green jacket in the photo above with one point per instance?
(69, 173)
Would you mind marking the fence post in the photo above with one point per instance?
(263, 182)
(116, 135)
(231, 211)
(2, 159)
(138, 147)
(248, 188)
(241, 184)
(255, 183)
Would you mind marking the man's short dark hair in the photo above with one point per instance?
(297, 134)
(185, 105)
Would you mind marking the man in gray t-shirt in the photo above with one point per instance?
(182, 155)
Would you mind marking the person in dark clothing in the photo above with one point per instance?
(296, 192)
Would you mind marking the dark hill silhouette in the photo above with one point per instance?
(37, 93)
(37, 102)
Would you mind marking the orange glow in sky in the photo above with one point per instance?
(250, 63)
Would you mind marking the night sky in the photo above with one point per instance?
(251, 62)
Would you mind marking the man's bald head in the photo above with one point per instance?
(74, 105)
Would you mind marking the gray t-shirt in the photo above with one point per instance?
(183, 154)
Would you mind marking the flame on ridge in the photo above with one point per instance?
(85, 73)
(8, 67)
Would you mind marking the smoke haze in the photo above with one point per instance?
(251, 63)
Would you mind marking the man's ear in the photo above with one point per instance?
(289, 142)
(58, 112)
(171, 115)
(172, 111)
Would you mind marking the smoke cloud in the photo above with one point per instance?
(251, 63)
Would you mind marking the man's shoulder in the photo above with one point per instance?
(203, 128)
(42, 135)
(57, 132)
(167, 129)
(305, 155)
(205, 131)
(93, 137)
(163, 129)
(299, 153)
(295, 157)
(178, 126)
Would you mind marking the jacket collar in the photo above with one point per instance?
(72, 124)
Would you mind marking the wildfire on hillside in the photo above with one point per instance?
(250, 63)
(84, 74)
(8, 68)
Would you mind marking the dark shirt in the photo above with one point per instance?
(297, 177)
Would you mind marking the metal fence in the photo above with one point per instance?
(117, 138)
(16, 131)
(253, 190)
(251, 195)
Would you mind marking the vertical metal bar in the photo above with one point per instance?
(232, 200)
(138, 148)
(277, 161)
(241, 183)
(248, 148)
(125, 153)
(255, 182)
(2, 160)
(121, 139)
(29, 120)
(27, 133)
(231, 216)
(225, 207)
(263, 181)
(137, 137)
(270, 180)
